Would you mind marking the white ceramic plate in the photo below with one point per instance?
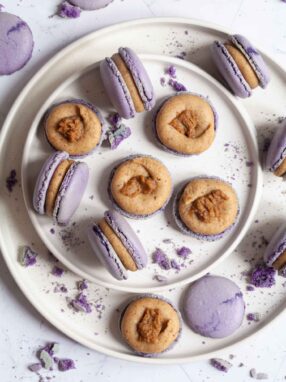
(158, 36)
(234, 148)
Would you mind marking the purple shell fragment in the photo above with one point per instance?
(221, 364)
(68, 11)
(263, 276)
(66, 364)
(80, 304)
(159, 257)
(27, 257)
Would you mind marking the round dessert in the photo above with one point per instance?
(127, 83)
(150, 325)
(185, 124)
(90, 5)
(241, 65)
(214, 306)
(74, 126)
(116, 245)
(16, 43)
(276, 155)
(275, 253)
(60, 186)
(206, 208)
(140, 186)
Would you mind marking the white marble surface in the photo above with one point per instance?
(22, 329)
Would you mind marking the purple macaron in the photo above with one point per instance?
(276, 155)
(275, 253)
(16, 43)
(90, 5)
(229, 68)
(71, 188)
(120, 92)
(214, 306)
(110, 255)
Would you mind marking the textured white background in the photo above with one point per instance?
(22, 330)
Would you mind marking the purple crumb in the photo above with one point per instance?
(114, 119)
(60, 288)
(221, 364)
(27, 257)
(163, 81)
(80, 304)
(175, 265)
(66, 364)
(57, 271)
(171, 71)
(249, 163)
(82, 284)
(183, 252)
(52, 230)
(250, 288)
(159, 257)
(68, 11)
(35, 367)
(11, 180)
(117, 135)
(263, 276)
(160, 278)
(253, 317)
(258, 376)
(177, 86)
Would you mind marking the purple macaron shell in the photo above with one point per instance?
(128, 237)
(276, 246)
(90, 5)
(116, 206)
(105, 253)
(44, 178)
(187, 230)
(153, 355)
(116, 89)
(140, 77)
(277, 149)
(230, 71)
(70, 193)
(254, 58)
(214, 306)
(16, 43)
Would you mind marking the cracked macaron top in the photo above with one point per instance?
(116, 245)
(74, 126)
(275, 253)
(241, 65)
(276, 155)
(16, 43)
(214, 306)
(59, 187)
(127, 83)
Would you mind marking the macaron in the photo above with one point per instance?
(241, 65)
(16, 43)
(117, 246)
(140, 186)
(185, 124)
(275, 253)
(90, 5)
(276, 154)
(214, 306)
(127, 83)
(74, 126)
(206, 208)
(60, 186)
(150, 325)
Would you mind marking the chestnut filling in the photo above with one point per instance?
(186, 123)
(139, 185)
(209, 206)
(151, 326)
(71, 128)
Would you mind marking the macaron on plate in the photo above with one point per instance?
(236, 164)
(99, 330)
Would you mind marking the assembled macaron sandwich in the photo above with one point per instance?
(127, 83)
(116, 245)
(241, 65)
(276, 155)
(60, 186)
(275, 253)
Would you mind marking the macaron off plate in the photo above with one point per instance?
(276, 155)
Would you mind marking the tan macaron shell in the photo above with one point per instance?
(281, 169)
(201, 187)
(205, 124)
(132, 317)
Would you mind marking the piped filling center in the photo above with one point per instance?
(186, 123)
(71, 128)
(139, 185)
(151, 325)
(280, 262)
(210, 206)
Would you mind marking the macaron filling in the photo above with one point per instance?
(280, 167)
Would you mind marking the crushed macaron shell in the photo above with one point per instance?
(259, 376)
(66, 364)
(68, 11)
(176, 85)
(26, 256)
(253, 317)
(57, 271)
(159, 257)
(263, 276)
(82, 285)
(80, 304)
(116, 136)
(183, 252)
(171, 71)
(221, 364)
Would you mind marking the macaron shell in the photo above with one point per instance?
(116, 89)
(140, 76)
(230, 71)
(277, 149)
(44, 178)
(90, 5)
(106, 253)
(276, 246)
(214, 307)
(254, 57)
(128, 237)
(16, 43)
(71, 192)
